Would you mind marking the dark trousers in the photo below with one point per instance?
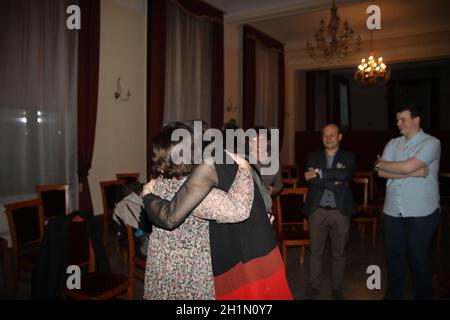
(324, 223)
(409, 239)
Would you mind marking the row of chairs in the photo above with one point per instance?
(55, 198)
(292, 227)
(110, 190)
(26, 222)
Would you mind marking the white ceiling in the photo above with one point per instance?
(294, 22)
(239, 11)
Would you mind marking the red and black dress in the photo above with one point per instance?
(246, 261)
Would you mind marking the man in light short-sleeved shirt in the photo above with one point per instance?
(411, 207)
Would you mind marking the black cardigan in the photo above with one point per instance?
(49, 273)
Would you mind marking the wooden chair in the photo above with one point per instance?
(94, 285)
(290, 183)
(54, 199)
(289, 171)
(135, 260)
(444, 190)
(372, 184)
(4, 250)
(110, 196)
(26, 226)
(444, 182)
(292, 226)
(128, 177)
(367, 214)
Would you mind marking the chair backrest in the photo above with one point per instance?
(111, 194)
(289, 171)
(290, 204)
(444, 190)
(128, 177)
(133, 258)
(360, 190)
(26, 223)
(131, 250)
(372, 182)
(54, 199)
(444, 184)
(81, 252)
(290, 183)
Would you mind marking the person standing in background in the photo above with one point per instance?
(411, 207)
(329, 206)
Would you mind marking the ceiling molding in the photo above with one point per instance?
(280, 11)
(417, 33)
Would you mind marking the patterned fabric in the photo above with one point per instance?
(413, 196)
(178, 267)
(237, 208)
(179, 261)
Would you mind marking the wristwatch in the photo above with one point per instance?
(317, 171)
(377, 165)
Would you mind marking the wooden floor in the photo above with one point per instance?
(360, 255)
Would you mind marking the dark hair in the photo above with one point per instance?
(162, 164)
(231, 125)
(126, 189)
(190, 123)
(413, 110)
(268, 137)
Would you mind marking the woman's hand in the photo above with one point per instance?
(148, 188)
(239, 160)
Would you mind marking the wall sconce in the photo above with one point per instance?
(230, 107)
(118, 93)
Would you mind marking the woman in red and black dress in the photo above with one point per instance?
(246, 261)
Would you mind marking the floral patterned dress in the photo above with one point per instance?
(179, 261)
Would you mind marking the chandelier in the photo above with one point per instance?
(372, 70)
(332, 43)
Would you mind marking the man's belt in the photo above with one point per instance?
(328, 207)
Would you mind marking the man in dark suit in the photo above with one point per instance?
(329, 206)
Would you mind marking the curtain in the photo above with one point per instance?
(266, 87)
(188, 66)
(156, 57)
(318, 111)
(185, 64)
(249, 86)
(264, 84)
(217, 75)
(88, 70)
(310, 101)
(38, 81)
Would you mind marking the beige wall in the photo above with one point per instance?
(120, 140)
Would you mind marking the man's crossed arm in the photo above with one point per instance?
(411, 167)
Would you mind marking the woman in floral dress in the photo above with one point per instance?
(179, 260)
(246, 262)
